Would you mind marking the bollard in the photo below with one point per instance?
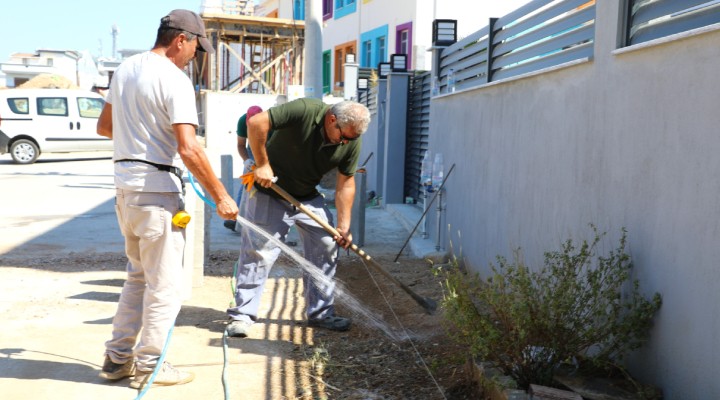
(226, 172)
(357, 227)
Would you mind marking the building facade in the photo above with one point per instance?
(373, 30)
(77, 66)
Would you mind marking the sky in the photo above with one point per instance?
(29, 25)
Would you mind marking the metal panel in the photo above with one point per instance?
(643, 12)
(418, 130)
(460, 45)
(471, 82)
(478, 47)
(545, 47)
(572, 21)
(522, 11)
(538, 19)
(707, 13)
(477, 61)
(575, 53)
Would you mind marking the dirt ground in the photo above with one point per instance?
(406, 355)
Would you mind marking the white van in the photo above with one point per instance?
(35, 121)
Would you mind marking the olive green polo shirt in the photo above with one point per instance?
(298, 153)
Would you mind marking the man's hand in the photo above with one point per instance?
(227, 209)
(344, 240)
(264, 175)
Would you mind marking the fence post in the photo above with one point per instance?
(381, 117)
(351, 78)
(491, 37)
(395, 137)
(357, 228)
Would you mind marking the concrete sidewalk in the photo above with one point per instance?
(55, 315)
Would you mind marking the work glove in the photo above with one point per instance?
(248, 178)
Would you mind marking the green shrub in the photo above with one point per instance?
(530, 322)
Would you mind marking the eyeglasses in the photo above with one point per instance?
(344, 138)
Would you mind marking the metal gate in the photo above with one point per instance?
(418, 128)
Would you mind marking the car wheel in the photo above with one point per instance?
(24, 151)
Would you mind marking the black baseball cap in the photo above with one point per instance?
(188, 21)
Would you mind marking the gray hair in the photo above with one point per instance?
(353, 114)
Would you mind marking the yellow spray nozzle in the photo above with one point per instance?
(181, 219)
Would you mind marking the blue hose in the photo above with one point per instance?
(158, 366)
(202, 196)
(226, 389)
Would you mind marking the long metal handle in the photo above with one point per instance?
(428, 304)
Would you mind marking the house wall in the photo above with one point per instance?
(628, 139)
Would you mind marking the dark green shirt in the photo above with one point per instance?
(242, 126)
(242, 132)
(298, 153)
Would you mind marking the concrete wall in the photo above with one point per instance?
(220, 112)
(628, 139)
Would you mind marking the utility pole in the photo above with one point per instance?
(115, 33)
(313, 49)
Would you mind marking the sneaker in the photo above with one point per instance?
(113, 371)
(238, 328)
(167, 376)
(331, 322)
(230, 224)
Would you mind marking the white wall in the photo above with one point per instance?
(221, 113)
(628, 139)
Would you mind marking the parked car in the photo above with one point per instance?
(36, 121)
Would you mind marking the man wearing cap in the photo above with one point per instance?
(151, 116)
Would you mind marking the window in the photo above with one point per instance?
(380, 49)
(90, 107)
(327, 9)
(374, 47)
(19, 105)
(344, 7)
(367, 53)
(56, 106)
(299, 10)
(341, 51)
(403, 42)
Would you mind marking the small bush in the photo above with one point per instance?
(528, 323)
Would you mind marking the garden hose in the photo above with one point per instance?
(226, 389)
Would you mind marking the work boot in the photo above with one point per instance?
(113, 371)
(167, 376)
(331, 322)
(238, 328)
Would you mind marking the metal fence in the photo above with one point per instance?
(538, 35)
(650, 20)
(418, 129)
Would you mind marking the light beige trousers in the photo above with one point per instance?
(151, 296)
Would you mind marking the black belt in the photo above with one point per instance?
(162, 167)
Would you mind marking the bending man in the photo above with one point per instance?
(310, 139)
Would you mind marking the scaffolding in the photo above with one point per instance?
(253, 54)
